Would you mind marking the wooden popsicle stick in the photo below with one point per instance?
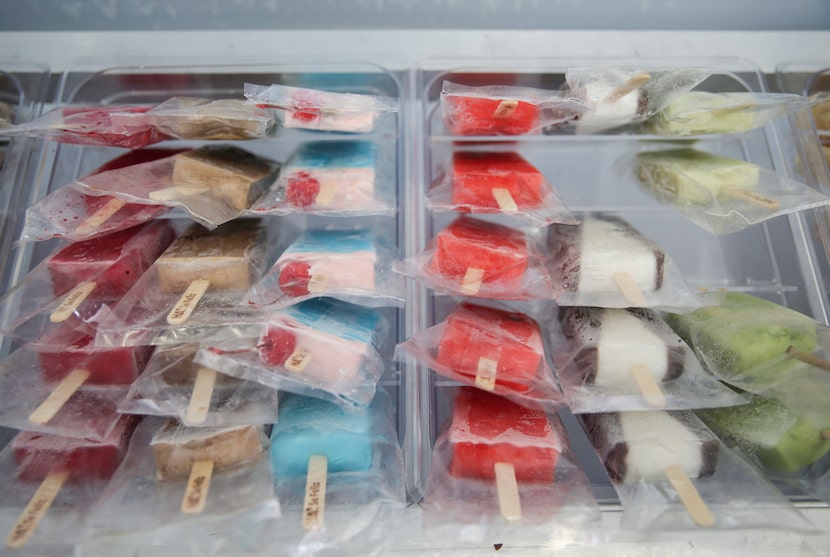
(506, 108)
(174, 193)
(58, 397)
(198, 485)
(752, 197)
(629, 289)
(317, 283)
(100, 216)
(298, 360)
(825, 434)
(633, 83)
(808, 358)
(504, 200)
(326, 194)
(197, 409)
(471, 283)
(188, 302)
(510, 506)
(695, 506)
(72, 301)
(486, 374)
(314, 502)
(649, 388)
(36, 509)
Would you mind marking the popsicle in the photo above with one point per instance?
(700, 112)
(195, 453)
(315, 438)
(495, 347)
(473, 252)
(54, 460)
(322, 338)
(222, 119)
(780, 438)
(328, 260)
(692, 177)
(654, 445)
(335, 175)
(613, 103)
(605, 254)
(234, 176)
(104, 126)
(220, 260)
(499, 180)
(475, 111)
(495, 439)
(747, 339)
(624, 349)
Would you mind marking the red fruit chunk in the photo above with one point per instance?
(512, 340)
(276, 346)
(487, 429)
(302, 189)
(476, 175)
(294, 278)
(488, 116)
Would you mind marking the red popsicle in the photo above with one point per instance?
(502, 180)
(474, 115)
(101, 125)
(487, 429)
(493, 346)
(476, 252)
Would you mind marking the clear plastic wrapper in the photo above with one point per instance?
(335, 178)
(49, 483)
(174, 385)
(321, 347)
(498, 182)
(72, 214)
(77, 281)
(353, 265)
(606, 262)
(38, 397)
(672, 473)
(162, 481)
(820, 107)
(492, 349)
(611, 360)
(505, 109)
(221, 119)
(763, 348)
(481, 259)
(193, 291)
(721, 194)
(212, 184)
(500, 466)
(363, 476)
(619, 97)
(700, 113)
(314, 109)
(113, 126)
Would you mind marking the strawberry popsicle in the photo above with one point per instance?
(476, 111)
(115, 126)
(493, 346)
(498, 180)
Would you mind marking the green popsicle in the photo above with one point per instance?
(699, 112)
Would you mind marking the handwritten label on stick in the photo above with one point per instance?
(71, 302)
(198, 485)
(58, 397)
(505, 109)
(188, 302)
(314, 503)
(36, 509)
(298, 360)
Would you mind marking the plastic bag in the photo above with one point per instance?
(42, 394)
(151, 490)
(700, 113)
(498, 182)
(193, 292)
(364, 473)
(77, 281)
(351, 265)
(721, 194)
(504, 109)
(492, 349)
(212, 184)
(33, 464)
(72, 214)
(618, 97)
(606, 262)
(481, 259)
(335, 178)
(174, 385)
(321, 347)
(490, 443)
(611, 360)
(222, 119)
(660, 460)
(313, 109)
(113, 126)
